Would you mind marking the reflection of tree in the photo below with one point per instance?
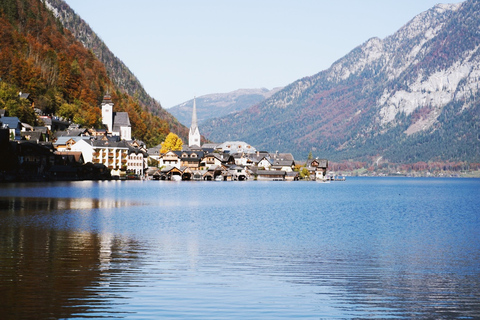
(47, 273)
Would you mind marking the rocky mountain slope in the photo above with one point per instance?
(220, 104)
(121, 76)
(413, 96)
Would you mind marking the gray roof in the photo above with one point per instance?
(120, 119)
(270, 172)
(322, 163)
(110, 144)
(282, 156)
(282, 163)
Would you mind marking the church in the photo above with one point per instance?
(194, 133)
(117, 123)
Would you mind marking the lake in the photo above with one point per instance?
(365, 248)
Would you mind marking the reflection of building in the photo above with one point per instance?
(34, 259)
(117, 123)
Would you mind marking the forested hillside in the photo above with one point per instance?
(117, 71)
(40, 57)
(413, 96)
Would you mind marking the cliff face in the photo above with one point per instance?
(410, 97)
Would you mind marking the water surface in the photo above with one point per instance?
(363, 248)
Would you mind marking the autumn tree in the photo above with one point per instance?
(172, 143)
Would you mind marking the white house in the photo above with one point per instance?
(169, 159)
(84, 146)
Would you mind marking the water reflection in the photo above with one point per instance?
(58, 274)
(36, 205)
(219, 257)
(47, 272)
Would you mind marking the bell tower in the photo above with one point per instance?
(107, 112)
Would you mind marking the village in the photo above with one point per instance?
(60, 150)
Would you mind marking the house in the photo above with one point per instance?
(283, 165)
(269, 175)
(36, 136)
(190, 159)
(14, 126)
(85, 147)
(235, 147)
(154, 152)
(317, 168)
(34, 159)
(171, 173)
(215, 159)
(170, 158)
(212, 160)
(55, 123)
(136, 161)
(69, 157)
(111, 154)
(65, 143)
(237, 173)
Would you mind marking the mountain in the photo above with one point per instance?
(413, 96)
(118, 72)
(40, 57)
(220, 104)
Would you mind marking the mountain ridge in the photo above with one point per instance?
(219, 104)
(120, 74)
(382, 97)
(64, 79)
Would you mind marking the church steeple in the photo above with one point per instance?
(194, 133)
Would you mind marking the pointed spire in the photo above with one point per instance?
(194, 134)
(194, 115)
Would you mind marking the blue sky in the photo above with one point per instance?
(184, 48)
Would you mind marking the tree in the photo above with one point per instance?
(305, 174)
(172, 143)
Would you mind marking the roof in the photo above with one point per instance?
(270, 172)
(283, 163)
(107, 99)
(209, 145)
(63, 140)
(110, 144)
(282, 156)
(121, 119)
(323, 163)
(32, 135)
(236, 146)
(11, 122)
